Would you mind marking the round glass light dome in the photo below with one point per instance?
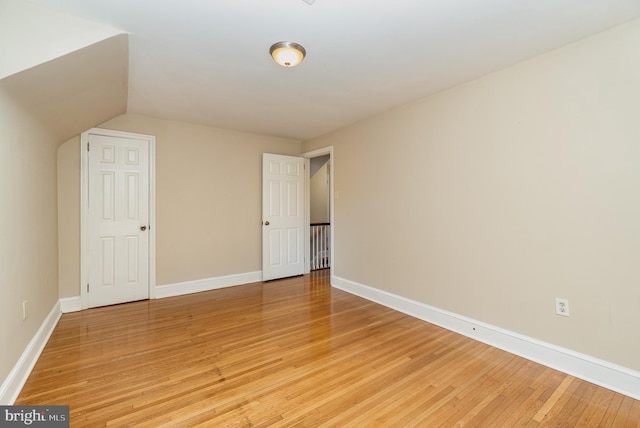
(287, 54)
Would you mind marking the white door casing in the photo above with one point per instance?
(118, 231)
(283, 216)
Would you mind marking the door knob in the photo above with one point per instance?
(266, 223)
(143, 228)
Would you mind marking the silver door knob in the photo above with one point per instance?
(143, 228)
(266, 223)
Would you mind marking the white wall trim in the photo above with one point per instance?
(603, 373)
(16, 379)
(207, 284)
(74, 304)
(70, 304)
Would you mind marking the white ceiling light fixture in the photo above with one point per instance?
(287, 54)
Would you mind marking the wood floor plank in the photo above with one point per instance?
(296, 352)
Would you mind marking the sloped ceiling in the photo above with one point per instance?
(76, 91)
(207, 62)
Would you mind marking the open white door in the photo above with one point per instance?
(117, 219)
(283, 216)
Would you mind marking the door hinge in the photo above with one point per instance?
(87, 287)
(87, 146)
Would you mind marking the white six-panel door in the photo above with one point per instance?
(118, 220)
(283, 216)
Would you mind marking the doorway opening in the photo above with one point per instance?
(319, 213)
(320, 209)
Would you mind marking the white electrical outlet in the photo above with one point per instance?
(24, 310)
(562, 307)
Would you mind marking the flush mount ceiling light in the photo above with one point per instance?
(287, 54)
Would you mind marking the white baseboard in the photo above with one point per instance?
(603, 373)
(16, 379)
(199, 285)
(74, 304)
(70, 304)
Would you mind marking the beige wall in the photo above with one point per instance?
(318, 195)
(208, 208)
(501, 194)
(69, 218)
(28, 226)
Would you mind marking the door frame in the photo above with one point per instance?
(84, 207)
(307, 207)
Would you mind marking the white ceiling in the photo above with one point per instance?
(207, 61)
(69, 94)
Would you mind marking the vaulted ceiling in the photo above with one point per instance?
(207, 61)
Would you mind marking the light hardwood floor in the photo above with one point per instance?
(296, 352)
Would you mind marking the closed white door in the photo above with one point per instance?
(282, 216)
(118, 220)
